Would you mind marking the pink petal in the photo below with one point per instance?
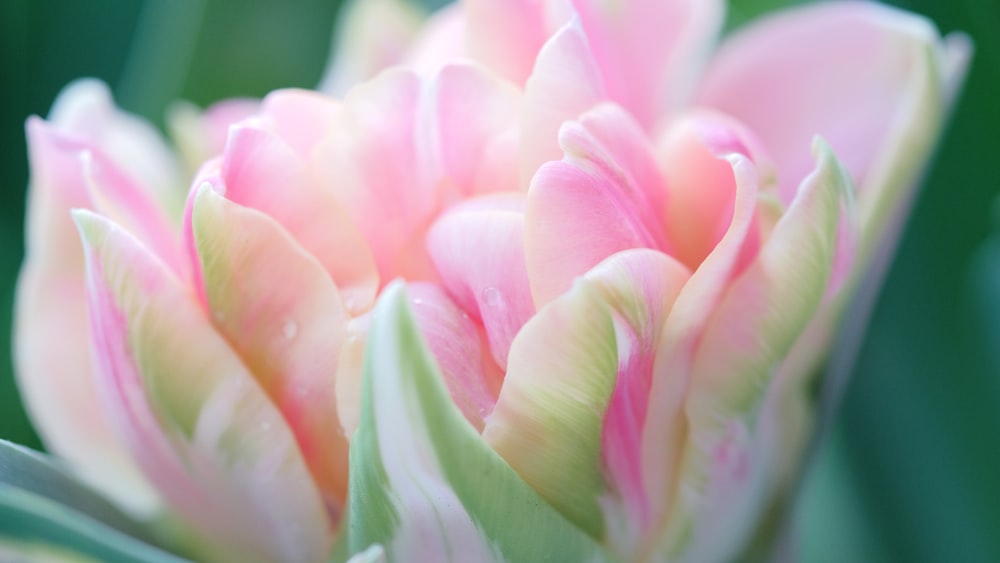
(454, 339)
(300, 117)
(702, 189)
(761, 315)
(278, 309)
(446, 137)
(683, 330)
(440, 41)
(201, 135)
(565, 82)
(605, 196)
(191, 414)
(641, 287)
(649, 52)
(456, 342)
(793, 75)
(505, 35)
(479, 254)
(86, 110)
(261, 171)
(59, 388)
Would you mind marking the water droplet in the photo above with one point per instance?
(290, 329)
(492, 297)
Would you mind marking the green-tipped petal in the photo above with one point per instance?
(730, 439)
(280, 311)
(191, 414)
(423, 483)
(547, 420)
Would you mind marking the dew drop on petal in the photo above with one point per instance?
(290, 329)
(492, 297)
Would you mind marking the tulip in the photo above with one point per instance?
(561, 301)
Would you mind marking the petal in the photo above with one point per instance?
(446, 137)
(193, 417)
(700, 182)
(261, 171)
(649, 52)
(201, 135)
(281, 312)
(115, 197)
(505, 35)
(85, 109)
(389, 204)
(300, 117)
(641, 287)
(455, 341)
(756, 323)
(419, 471)
(605, 196)
(864, 95)
(371, 36)
(479, 254)
(472, 119)
(50, 309)
(547, 420)
(565, 83)
(570, 413)
(683, 331)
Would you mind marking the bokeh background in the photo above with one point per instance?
(911, 468)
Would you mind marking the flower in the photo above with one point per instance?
(561, 300)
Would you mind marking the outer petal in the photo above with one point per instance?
(423, 483)
(372, 35)
(649, 52)
(282, 314)
(729, 451)
(570, 414)
(50, 312)
(878, 97)
(605, 196)
(85, 108)
(261, 171)
(547, 421)
(192, 415)
(479, 253)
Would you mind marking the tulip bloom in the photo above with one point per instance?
(553, 289)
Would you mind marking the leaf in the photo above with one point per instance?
(41, 502)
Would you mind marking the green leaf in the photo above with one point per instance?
(423, 483)
(42, 507)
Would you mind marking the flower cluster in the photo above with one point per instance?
(554, 285)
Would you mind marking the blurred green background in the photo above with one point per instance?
(911, 471)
